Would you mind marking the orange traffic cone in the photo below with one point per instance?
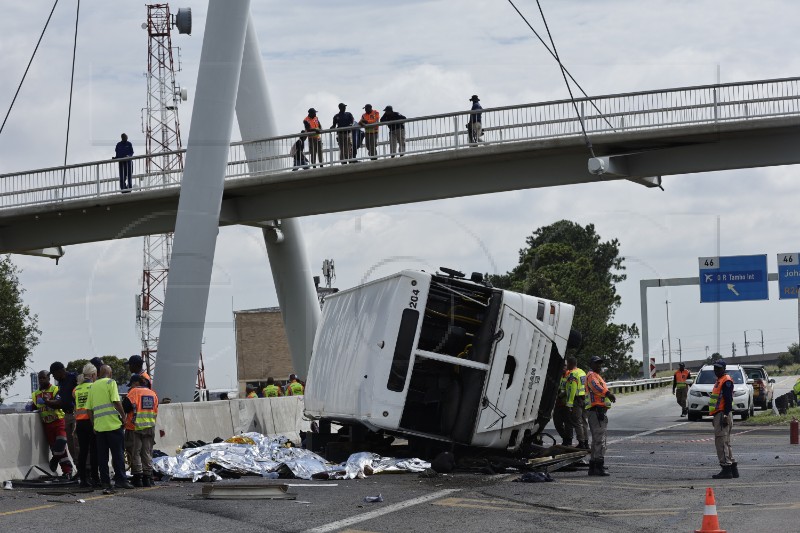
(710, 522)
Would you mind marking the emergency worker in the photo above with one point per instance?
(720, 406)
(598, 400)
(67, 381)
(87, 445)
(369, 120)
(680, 388)
(141, 406)
(796, 391)
(294, 388)
(272, 390)
(312, 126)
(44, 401)
(576, 399)
(561, 412)
(107, 415)
(251, 391)
(136, 366)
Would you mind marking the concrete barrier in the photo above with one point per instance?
(170, 428)
(263, 416)
(22, 444)
(244, 416)
(285, 416)
(207, 420)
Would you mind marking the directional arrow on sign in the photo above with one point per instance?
(731, 287)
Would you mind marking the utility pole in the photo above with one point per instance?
(669, 340)
(663, 353)
(706, 352)
(746, 344)
(733, 349)
(680, 353)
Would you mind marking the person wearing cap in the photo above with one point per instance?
(720, 405)
(294, 388)
(397, 132)
(598, 400)
(474, 128)
(312, 127)
(369, 120)
(271, 390)
(576, 392)
(44, 401)
(298, 152)
(136, 366)
(67, 381)
(344, 119)
(87, 448)
(251, 391)
(141, 408)
(107, 416)
(680, 388)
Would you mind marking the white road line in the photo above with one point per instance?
(382, 511)
(645, 433)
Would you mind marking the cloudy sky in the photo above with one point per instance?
(423, 57)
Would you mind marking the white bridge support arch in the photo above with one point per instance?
(197, 222)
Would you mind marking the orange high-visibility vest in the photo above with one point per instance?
(716, 402)
(371, 118)
(145, 409)
(596, 390)
(314, 123)
(680, 378)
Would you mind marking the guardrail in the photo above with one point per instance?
(639, 384)
(647, 110)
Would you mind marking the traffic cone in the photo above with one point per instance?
(710, 522)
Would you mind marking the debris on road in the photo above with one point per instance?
(374, 499)
(246, 492)
(535, 477)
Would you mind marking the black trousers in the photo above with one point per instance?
(125, 175)
(87, 449)
(114, 442)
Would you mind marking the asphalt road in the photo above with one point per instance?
(660, 465)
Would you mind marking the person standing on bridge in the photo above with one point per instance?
(474, 126)
(598, 400)
(720, 406)
(370, 122)
(344, 119)
(312, 127)
(397, 132)
(576, 399)
(44, 401)
(124, 149)
(680, 388)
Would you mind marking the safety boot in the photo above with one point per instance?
(592, 468)
(600, 469)
(147, 481)
(583, 445)
(735, 470)
(567, 443)
(137, 480)
(725, 473)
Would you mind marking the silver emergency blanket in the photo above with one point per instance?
(271, 454)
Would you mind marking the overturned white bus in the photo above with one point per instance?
(439, 357)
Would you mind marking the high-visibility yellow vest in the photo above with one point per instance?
(576, 386)
(81, 395)
(48, 414)
(101, 400)
(272, 391)
(796, 388)
(294, 389)
(252, 395)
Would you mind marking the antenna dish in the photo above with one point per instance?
(144, 25)
(184, 95)
(183, 20)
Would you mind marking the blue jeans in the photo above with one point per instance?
(113, 441)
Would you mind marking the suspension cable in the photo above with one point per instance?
(71, 85)
(28, 67)
(565, 70)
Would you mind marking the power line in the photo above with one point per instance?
(71, 86)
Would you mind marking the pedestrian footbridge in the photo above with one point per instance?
(636, 136)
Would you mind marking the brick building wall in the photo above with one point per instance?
(262, 350)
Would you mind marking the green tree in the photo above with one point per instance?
(784, 360)
(119, 367)
(794, 351)
(19, 332)
(569, 263)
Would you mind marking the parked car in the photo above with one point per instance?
(763, 392)
(703, 383)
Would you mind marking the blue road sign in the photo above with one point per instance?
(735, 278)
(788, 276)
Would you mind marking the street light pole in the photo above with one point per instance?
(669, 340)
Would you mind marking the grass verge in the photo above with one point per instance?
(770, 419)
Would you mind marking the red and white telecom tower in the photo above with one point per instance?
(162, 131)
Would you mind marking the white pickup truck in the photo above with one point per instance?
(440, 357)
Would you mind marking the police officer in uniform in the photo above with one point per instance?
(720, 406)
(680, 388)
(598, 400)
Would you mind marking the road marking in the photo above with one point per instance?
(40, 507)
(382, 511)
(645, 433)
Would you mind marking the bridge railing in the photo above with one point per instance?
(640, 111)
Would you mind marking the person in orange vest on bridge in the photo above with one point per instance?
(598, 400)
(370, 120)
(141, 406)
(720, 406)
(294, 388)
(680, 388)
(44, 401)
(312, 126)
